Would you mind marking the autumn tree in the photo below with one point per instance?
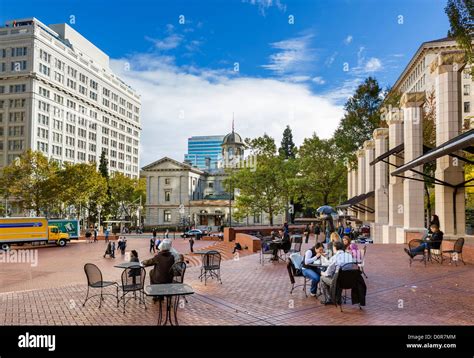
(30, 181)
(461, 14)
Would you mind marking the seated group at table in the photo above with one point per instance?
(320, 265)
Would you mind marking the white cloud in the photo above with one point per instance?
(263, 5)
(168, 43)
(297, 78)
(330, 60)
(318, 80)
(360, 56)
(348, 39)
(293, 55)
(180, 102)
(373, 65)
(341, 94)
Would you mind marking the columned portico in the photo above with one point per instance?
(361, 178)
(395, 188)
(369, 148)
(413, 200)
(381, 184)
(447, 68)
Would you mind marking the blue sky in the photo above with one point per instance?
(287, 73)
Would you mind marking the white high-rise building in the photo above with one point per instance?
(58, 95)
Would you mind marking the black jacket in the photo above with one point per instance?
(354, 279)
(437, 238)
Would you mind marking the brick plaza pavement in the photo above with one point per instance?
(251, 294)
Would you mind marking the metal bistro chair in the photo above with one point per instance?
(265, 249)
(285, 249)
(211, 266)
(296, 243)
(456, 252)
(294, 270)
(95, 280)
(133, 281)
(345, 279)
(435, 254)
(414, 244)
(178, 270)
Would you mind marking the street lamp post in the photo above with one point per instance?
(230, 201)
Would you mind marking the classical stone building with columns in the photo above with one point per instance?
(387, 189)
(179, 194)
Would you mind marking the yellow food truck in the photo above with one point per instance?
(35, 231)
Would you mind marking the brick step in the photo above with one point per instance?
(224, 248)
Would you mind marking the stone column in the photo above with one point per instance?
(394, 118)
(361, 177)
(381, 184)
(349, 182)
(350, 193)
(413, 190)
(447, 68)
(355, 185)
(355, 182)
(369, 148)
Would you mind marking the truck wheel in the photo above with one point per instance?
(61, 243)
(5, 247)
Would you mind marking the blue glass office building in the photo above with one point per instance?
(202, 147)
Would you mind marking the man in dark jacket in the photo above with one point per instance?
(162, 262)
(436, 240)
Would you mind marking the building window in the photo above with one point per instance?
(19, 66)
(167, 181)
(256, 218)
(467, 90)
(167, 195)
(167, 216)
(19, 51)
(211, 185)
(467, 107)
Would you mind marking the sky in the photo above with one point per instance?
(265, 63)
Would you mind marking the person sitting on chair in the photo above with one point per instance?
(162, 263)
(436, 238)
(333, 238)
(313, 273)
(134, 258)
(237, 247)
(337, 261)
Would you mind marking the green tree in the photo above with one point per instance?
(322, 174)
(104, 171)
(461, 14)
(361, 118)
(31, 182)
(261, 188)
(288, 151)
(126, 194)
(104, 165)
(288, 148)
(82, 186)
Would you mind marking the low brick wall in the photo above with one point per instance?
(230, 232)
(251, 242)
